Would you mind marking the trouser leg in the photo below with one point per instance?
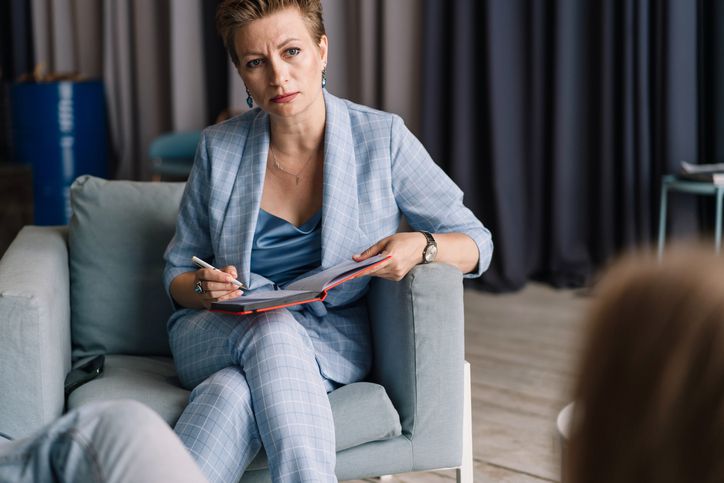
(291, 412)
(218, 426)
(119, 441)
(289, 398)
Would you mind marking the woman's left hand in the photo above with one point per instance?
(406, 251)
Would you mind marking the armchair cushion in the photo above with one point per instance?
(150, 380)
(362, 411)
(117, 236)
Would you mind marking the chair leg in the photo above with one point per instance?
(718, 223)
(662, 219)
(465, 472)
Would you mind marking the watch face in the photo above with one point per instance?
(430, 253)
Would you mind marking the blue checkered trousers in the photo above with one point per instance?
(263, 379)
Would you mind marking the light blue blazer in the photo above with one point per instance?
(375, 170)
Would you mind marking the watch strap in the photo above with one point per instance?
(430, 242)
(428, 236)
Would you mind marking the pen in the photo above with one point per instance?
(203, 264)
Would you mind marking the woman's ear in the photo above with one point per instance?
(323, 48)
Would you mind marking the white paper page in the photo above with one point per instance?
(319, 281)
(262, 296)
(701, 168)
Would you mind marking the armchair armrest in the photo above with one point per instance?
(35, 328)
(418, 338)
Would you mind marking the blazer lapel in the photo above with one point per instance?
(242, 210)
(340, 204)
(341, 236)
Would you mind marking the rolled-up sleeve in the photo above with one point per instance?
(428, 198)
(192, 235)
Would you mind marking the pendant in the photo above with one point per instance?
(297, 180)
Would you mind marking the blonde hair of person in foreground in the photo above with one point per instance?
(650, 391)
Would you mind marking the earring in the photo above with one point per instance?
(249, 100)
(324, 77)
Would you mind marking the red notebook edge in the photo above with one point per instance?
(357, 274)
(319, 298)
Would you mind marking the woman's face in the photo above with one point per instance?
(280, 63)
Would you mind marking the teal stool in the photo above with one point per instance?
(172, 154)
(671, 183)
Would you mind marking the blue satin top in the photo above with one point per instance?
(281, 251)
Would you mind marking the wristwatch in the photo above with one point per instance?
(430, 252)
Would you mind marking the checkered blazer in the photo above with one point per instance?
(375, 170)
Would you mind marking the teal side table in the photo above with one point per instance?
(173, 154)
(671, 183)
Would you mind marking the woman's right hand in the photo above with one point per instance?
(215, 285)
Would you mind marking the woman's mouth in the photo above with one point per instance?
(284, 98)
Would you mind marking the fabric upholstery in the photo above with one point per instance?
(118, 233)
(419, 358)
(362, 411)
(417, 329)
(370, 459)
(34, 329)
(150, 380)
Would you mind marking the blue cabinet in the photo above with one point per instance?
(59, 128)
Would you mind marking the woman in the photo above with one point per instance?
(650, 396)
(305, 180)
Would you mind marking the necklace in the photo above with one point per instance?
(298, 175)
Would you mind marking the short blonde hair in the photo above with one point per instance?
(235, 14)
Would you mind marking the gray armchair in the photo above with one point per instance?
(67, 293)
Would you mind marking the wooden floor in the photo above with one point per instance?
(522, 348)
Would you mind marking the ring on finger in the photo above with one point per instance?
(198, 288)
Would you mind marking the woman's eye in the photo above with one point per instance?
(253, 63)
(293, 51)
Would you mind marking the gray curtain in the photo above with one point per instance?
(164, 68)
(374, 54)
(558, 119)
(150, 56)
(16, 58)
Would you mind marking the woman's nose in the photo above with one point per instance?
(279, 73)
